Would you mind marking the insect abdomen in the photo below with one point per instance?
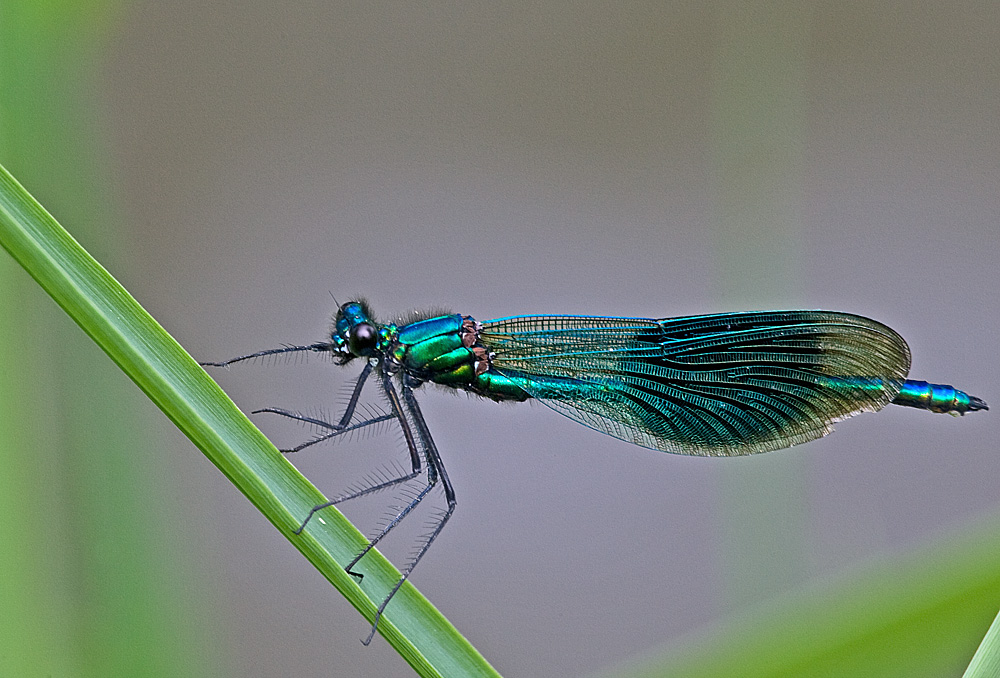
(937, 398)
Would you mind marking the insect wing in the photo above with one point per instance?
(722, 385)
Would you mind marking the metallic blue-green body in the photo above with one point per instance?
(725, 384)
(442, 350)
(433, 349)
(935, 397)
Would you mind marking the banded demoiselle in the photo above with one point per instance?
(712, 385)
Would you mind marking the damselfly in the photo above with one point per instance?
(713, 385)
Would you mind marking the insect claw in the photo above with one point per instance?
(378, 616)
(305, 522)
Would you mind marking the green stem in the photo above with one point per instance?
(199, 408)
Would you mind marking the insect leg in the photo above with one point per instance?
(334, 429)
(315, 348)
(435, 472)
(416, 467)
(342, 425)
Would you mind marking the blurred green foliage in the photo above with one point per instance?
(94, 581)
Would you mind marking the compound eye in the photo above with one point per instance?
(363, 339)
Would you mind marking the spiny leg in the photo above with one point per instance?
(315, 348)
(435, 471)
(341, 428)
(354, 495)
(416, 466)
(355, 395)
(337, 428)
(322, 423)
(415, 463)
(352, 403)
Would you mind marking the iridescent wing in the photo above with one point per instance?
(724, 385)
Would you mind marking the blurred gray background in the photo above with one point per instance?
(494, 159)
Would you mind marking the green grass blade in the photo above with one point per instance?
(986, 662)
(199, 408)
